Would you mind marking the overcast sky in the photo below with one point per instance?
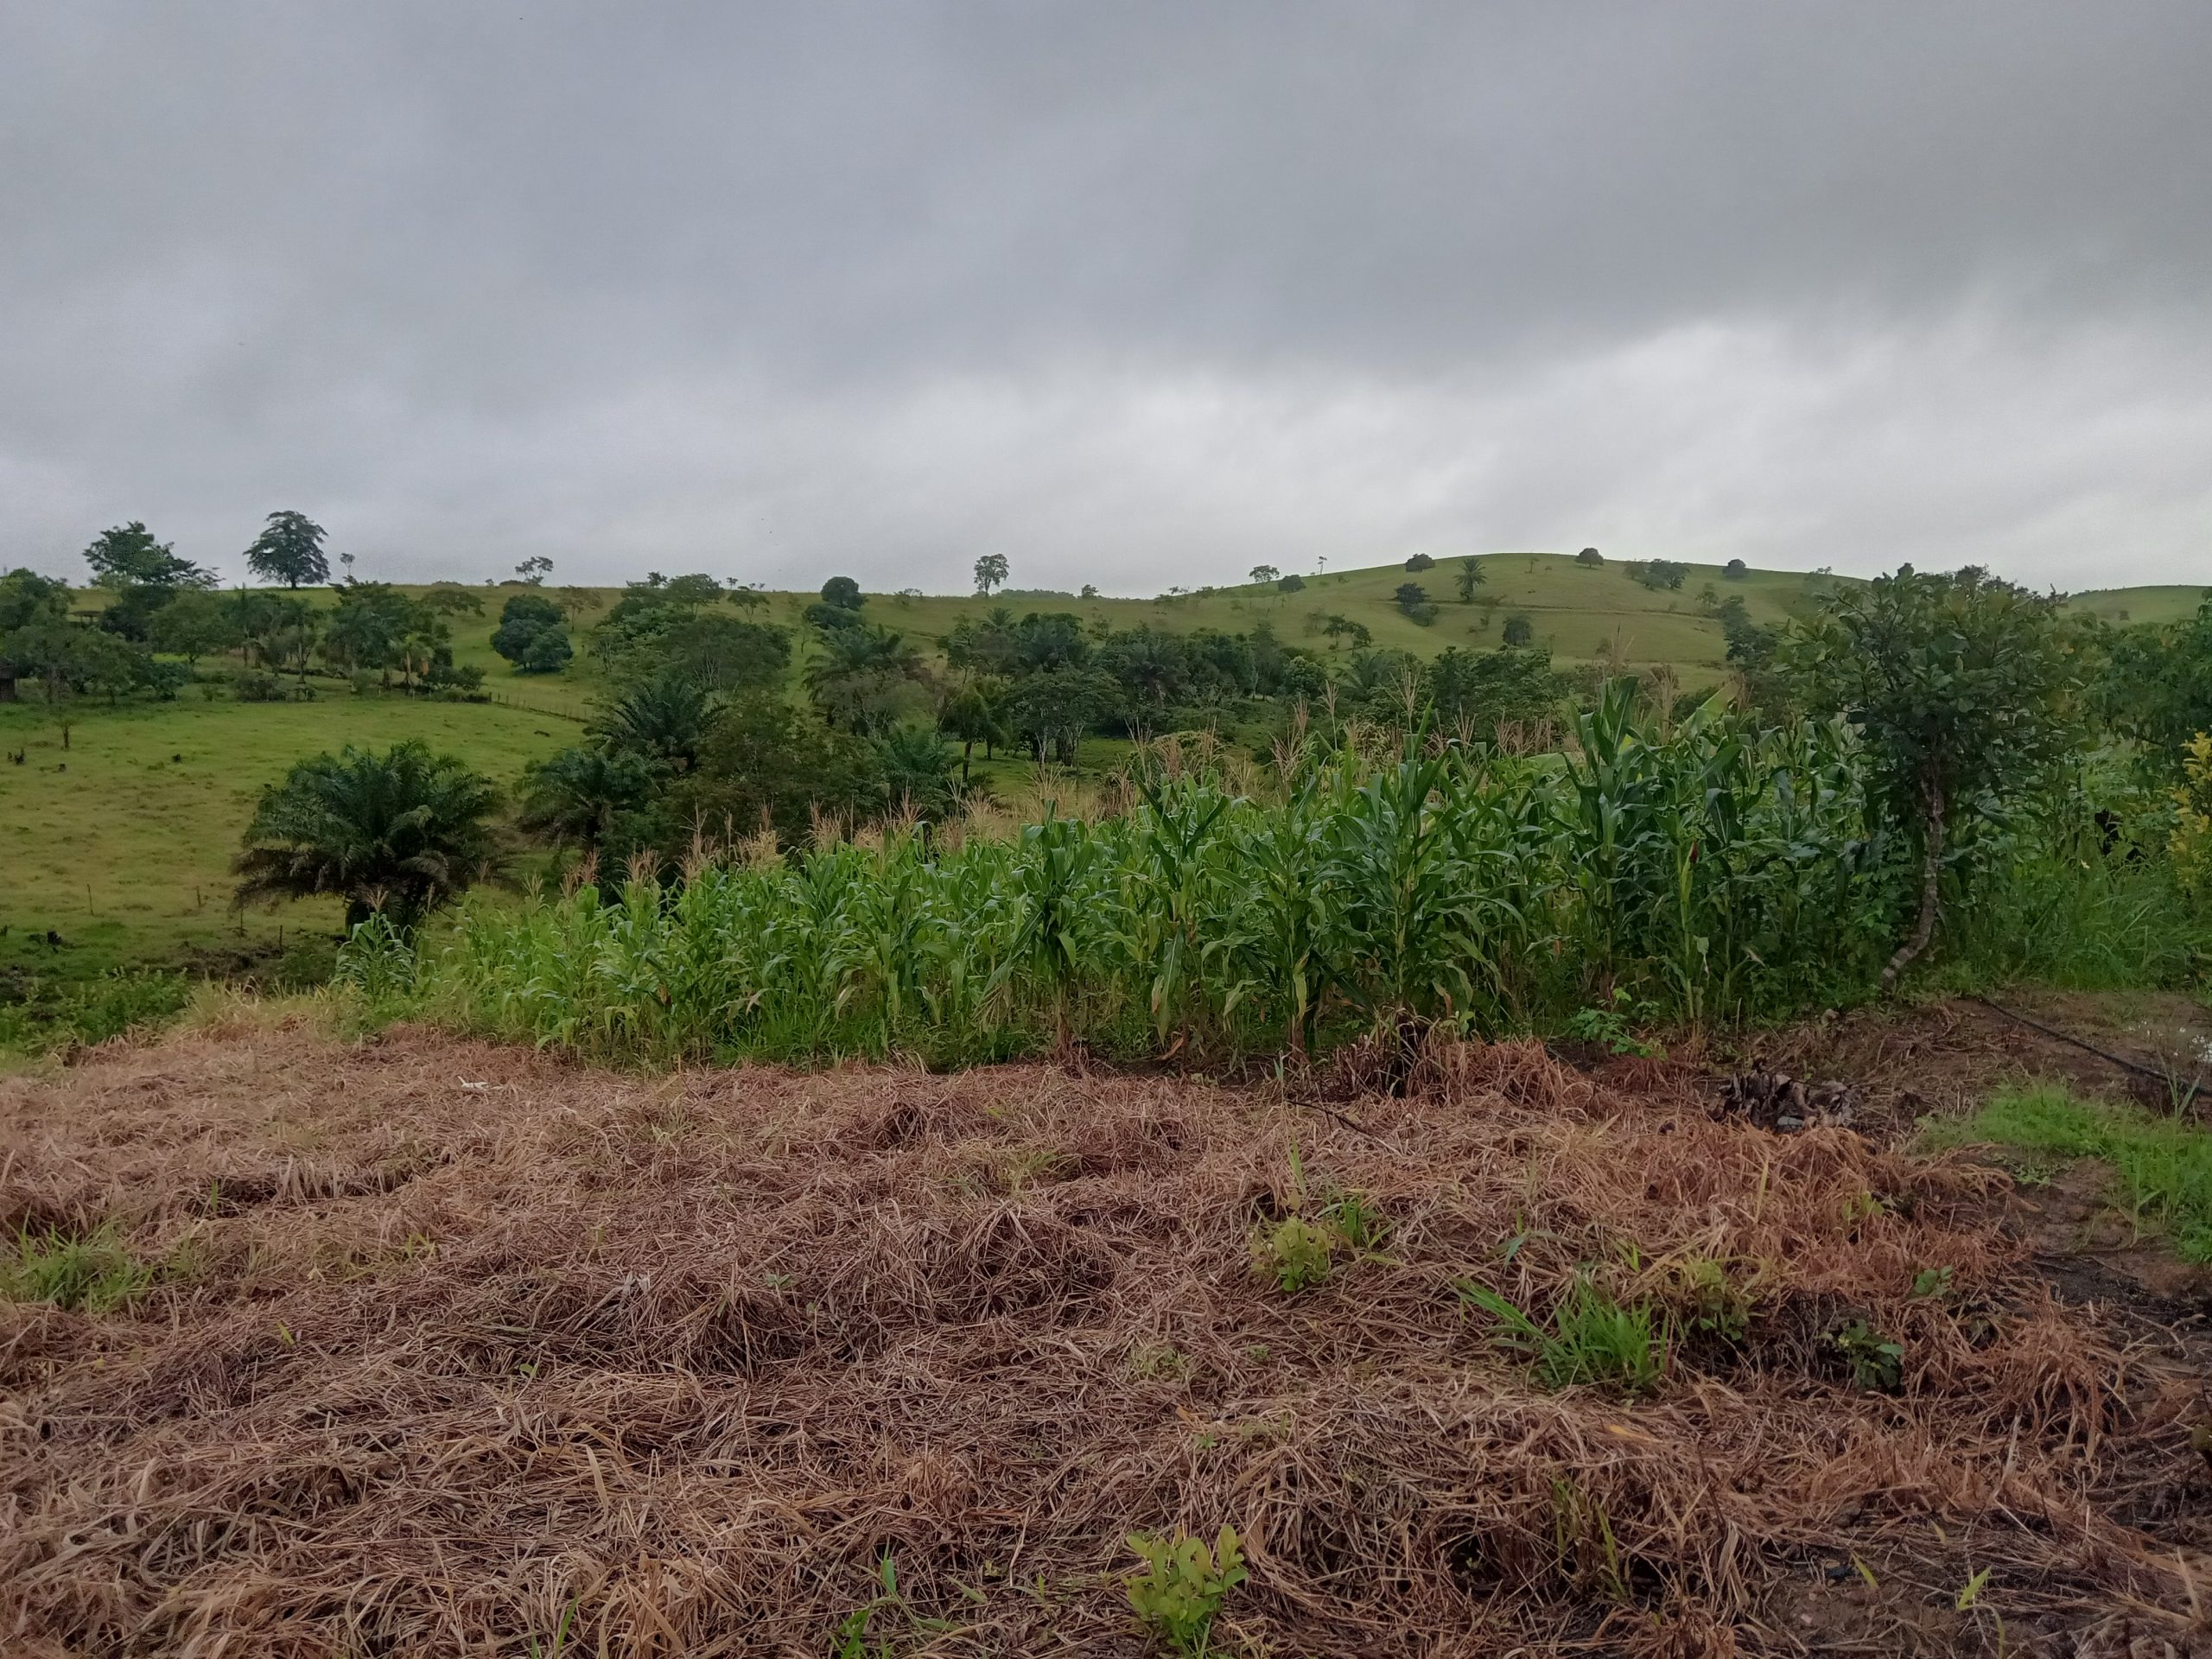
(1135, 293)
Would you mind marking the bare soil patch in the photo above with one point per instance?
(451, 1341)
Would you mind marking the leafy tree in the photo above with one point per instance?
(1413, 599)
(1264, 574)
(990, 572)
(1962, 686)
(403, 832)
(1469, 578)
(1050, 712)
(1519, 631)
(290, 550)
(1660, 574)
(194, 624)
(1340, 628)
(747, 596)
(453, 601)
(1419, 563)
(2155, 685)
(70, 657)
(523, 619)
(1480, 690)
(535, 570)
(1590, 556)
(631, 636)
(368, 628)
(279, 628)
(549, 653)
(1735, 570)
(127, 556)
(130, 613)
(663, 719)
(1089, 590)
(843, 593)
(1292, 583)
(765, 759)
(725, 654)
(586, 796)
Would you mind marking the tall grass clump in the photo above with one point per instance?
(1714, 870)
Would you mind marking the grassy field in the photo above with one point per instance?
(121, 843)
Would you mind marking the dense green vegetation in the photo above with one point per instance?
(1920, 761)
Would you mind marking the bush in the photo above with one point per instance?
(258, 685)
(1421, 561)
(1290, 584)
(1735, 570)
(548, 654)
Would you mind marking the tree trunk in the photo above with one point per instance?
(1930, 882)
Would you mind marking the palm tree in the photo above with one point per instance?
(403, 832)
(580, 795)
(662, 719)
(864, 680)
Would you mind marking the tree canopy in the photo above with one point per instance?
(290, 550)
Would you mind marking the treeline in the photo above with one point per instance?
(163, 614)
(699, 725)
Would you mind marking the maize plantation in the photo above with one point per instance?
(1713, 871)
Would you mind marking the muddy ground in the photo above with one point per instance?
(448, 1348)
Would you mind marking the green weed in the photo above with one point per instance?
(93, 1273)
(1592, 1337)
(1179, 1593)
(1877, 1363)
(1295, 1253)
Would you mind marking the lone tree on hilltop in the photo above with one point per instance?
(127, 556)
(990, 572)
(290, 550)
(1589, 555)
(1963, 686)
(1264, 573)
(402, 832)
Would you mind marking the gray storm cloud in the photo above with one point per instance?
(1135, 295)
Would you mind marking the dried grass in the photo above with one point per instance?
(453, 1339)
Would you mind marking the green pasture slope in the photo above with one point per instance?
(121, 843)
(1577, 611)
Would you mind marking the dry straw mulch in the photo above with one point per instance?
(452, 1340)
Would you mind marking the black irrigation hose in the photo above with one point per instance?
(2165, 1077)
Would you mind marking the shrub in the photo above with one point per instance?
(1735, 570)
(1519, 631)
(1421, 561)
